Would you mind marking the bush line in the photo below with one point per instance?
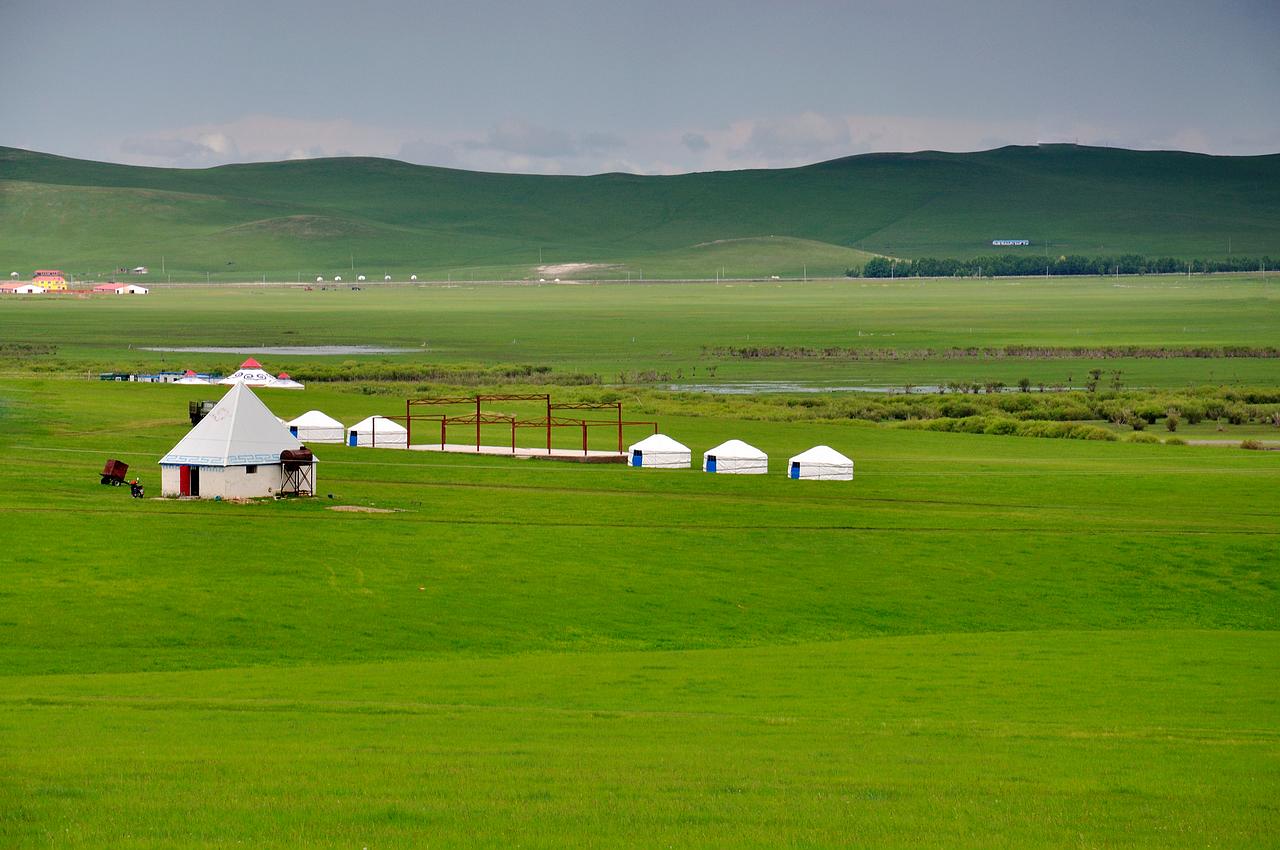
(1012, 265)
(1024, 352)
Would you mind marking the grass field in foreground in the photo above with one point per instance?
(667, 329)
(981, 641)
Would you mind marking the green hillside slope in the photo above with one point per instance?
(288, 220)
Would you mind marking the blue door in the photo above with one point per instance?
(795, 469)
(637, 458)
(351, 438)
(711, 463)
(293, 429)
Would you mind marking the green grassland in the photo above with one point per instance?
(296, 220)
(673, 330)
(981, 641)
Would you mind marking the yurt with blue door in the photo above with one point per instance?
(735, 458)
(378, 432)
(659, 452)
(820, 463)
(233, 452)
(315, 426)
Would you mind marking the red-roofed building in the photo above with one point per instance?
(15, 288)
(49, 279)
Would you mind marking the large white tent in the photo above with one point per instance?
(820, 463)
(316, 427)
(378, 432)
(736, 458)
(251, 373)
(659, 452)
(234, 452)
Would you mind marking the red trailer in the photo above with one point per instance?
(114, 472)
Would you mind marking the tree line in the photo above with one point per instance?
(1013, 265)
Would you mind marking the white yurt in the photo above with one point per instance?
(234, 452)
(251, 373)
(284, 382)
(736, 458)
(315, 426)
(659, 452)
(190, 377)
(378, 432)
(820, 463)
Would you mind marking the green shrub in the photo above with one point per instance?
(1175, 441)
(1253, 445)
(1002, 426)
(1143, 438)
(1171, 421)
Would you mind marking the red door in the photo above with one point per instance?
(184, 481)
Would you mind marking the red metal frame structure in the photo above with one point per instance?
(545, 423)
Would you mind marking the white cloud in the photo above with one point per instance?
(254, 138)
(773, 142)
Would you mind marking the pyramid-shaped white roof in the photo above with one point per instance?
(824, 455)
(384, 425)
(240, 430)
(659, 443)
(731, 449)
(314, 419)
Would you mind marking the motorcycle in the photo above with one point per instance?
(136, 490)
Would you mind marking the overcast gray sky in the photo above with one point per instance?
(584, 86)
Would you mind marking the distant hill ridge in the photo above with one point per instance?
(342, 215)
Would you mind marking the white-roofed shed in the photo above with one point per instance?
(659, 452)
(315, 426)
(378, 432)
(820, 463)
(735, 458)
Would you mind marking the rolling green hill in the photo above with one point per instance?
(293, 220)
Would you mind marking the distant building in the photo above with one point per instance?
(1008, 242)
(11, 288)
(141, 270)
(121, 289)
(49, 279)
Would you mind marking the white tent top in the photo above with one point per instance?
(239, 431)
(190, 377)
(659, 443)
(284, 382)
(736, 450)
(314, 419)
(823, 455)
(383, 425)
(251, 373)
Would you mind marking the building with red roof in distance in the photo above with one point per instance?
(50, 279)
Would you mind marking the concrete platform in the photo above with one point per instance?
(575, 455)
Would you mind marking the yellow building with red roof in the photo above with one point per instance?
(49, 279)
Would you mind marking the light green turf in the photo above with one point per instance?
(980, 642)
(344, 216)
(666, 329)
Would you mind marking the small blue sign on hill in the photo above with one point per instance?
(1010, 241)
